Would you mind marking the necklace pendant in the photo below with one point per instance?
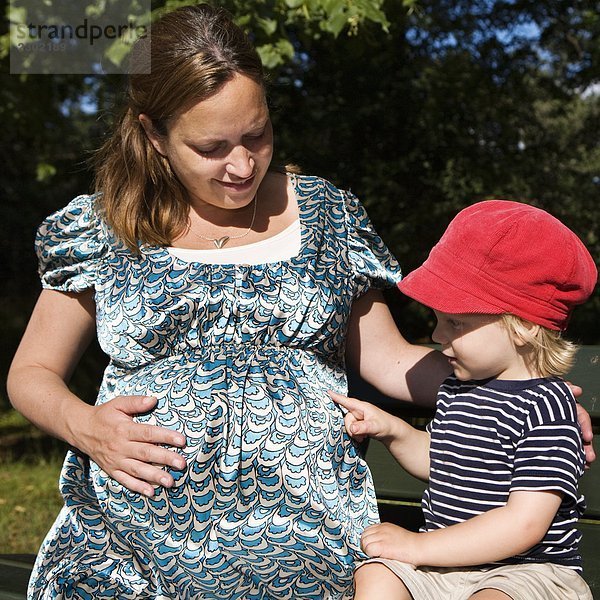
(220, 242)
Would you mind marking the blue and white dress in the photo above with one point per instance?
(274, 497)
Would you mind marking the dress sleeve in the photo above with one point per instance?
(373, 264)
(69, 245)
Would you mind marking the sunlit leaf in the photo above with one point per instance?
(45, 171)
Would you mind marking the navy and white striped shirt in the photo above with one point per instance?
(491, 437)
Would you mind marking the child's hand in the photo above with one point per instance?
(363, 419)
(409, 446)
(390, 541)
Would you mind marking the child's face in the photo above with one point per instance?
(478, 347)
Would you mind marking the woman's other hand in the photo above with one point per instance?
(585, 423)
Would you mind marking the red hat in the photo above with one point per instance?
(499, 256)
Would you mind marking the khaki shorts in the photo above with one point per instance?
(534, 581)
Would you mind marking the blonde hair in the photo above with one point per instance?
(551, 354)
(193, 52)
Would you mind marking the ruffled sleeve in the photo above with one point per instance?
(373, 264)
(70, 244)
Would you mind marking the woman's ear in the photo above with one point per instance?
(155, 138)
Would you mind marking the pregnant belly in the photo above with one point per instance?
(260, 428)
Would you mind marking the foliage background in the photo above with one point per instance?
(421, 107)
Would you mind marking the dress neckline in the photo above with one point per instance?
(162, 254)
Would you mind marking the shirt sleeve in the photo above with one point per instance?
(69, 245)
(373, 264)
(550, 457)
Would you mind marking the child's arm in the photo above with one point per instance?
(495, 535)
(409, 446)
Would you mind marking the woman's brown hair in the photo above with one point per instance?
(191, 53)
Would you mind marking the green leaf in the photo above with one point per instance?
(96, 9)
(4, 45)
(294, 3)
(117, 52)
(335, 23)
(17, 15)
(269, 26)
(44, 171)
(274, 55)
(18, 33)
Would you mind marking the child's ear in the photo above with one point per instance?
(526, 332)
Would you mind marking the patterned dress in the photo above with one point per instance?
(275, 496)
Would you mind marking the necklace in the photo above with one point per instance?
(220, 242)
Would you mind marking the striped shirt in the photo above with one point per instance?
(491, 437)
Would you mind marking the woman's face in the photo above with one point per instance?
(220, 148)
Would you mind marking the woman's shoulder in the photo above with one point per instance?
(70, 243)
(320, 189)
(81, 212)
(315, 181)
(80, 218)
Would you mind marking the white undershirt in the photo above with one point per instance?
(283, 246)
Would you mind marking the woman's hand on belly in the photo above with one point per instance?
(130, 452)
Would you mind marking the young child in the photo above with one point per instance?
(503, 454)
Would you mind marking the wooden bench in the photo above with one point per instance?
(399, 494)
